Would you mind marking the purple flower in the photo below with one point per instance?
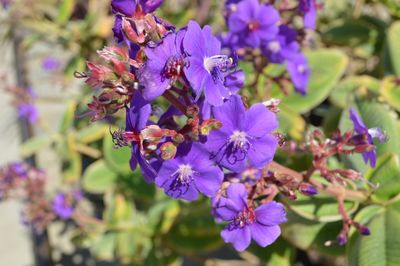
(254, 22)
(29, 112)
(117, 30)
(51, 64)
(245, 136)
(366, 136)
(299, 73)
(190, 173)
(247, 222)
(130, 7)
(137, 118)
(234, 81)
(308, 8)
(164, 66)
(62, 206)
(283, 47)
(207, 68)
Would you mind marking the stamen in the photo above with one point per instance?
(274, 46)
(244, 218)
(235, 148)
(218, 64)
(173, 68)
(377, 133)
(182, 178)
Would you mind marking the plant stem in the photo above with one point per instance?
(331, 190)
(174, 101)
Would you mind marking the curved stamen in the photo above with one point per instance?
(182, 179)
(218, 64)
(234, 149)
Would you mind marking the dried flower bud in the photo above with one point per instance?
(208, 125)
(168, 151)
(307, 189)
(342, 239)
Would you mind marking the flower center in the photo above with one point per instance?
(377, 133)
(301, 68)
(182, 178)
(235, 148)
(185, 173)
(173, 68)
(274, 46)
(217, 65)
(244, 218)
(254, 26)
(238, 139)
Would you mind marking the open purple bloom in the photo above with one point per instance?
(254, 22)
(283, 47)
(234, 81)
(299, 73)
(247, 222)
(366, 136)
(29, 112)
(164, 66)
(245, 136)
(308, 8)
(62, 206)
(190, 173)
(207, 68)
(129, 7)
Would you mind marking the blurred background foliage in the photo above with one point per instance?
(355, 60)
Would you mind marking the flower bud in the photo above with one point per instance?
(208, 125)
(308, 189)
(168, 151)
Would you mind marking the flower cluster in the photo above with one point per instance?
(266, 32)
(27, 183)
(191, 132)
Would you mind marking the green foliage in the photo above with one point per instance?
(327, 67)
(98, 177)
(394, 46)
(382, 246)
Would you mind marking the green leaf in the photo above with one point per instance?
(280, 253)
(92, 133)
(72, 168)
(343, 94)
(98, 177)
(69, 116)
(65, 11)
(162, 215)
(195, 231)
(321, 208)
(291, 122)
(117, 159)
(327, 67)
(118, 210)
(390, 90)
(386, 176)
(308, 235)
(33, 145)
(104, 247)
(350, 33)
(394, 46)
(382, 247)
